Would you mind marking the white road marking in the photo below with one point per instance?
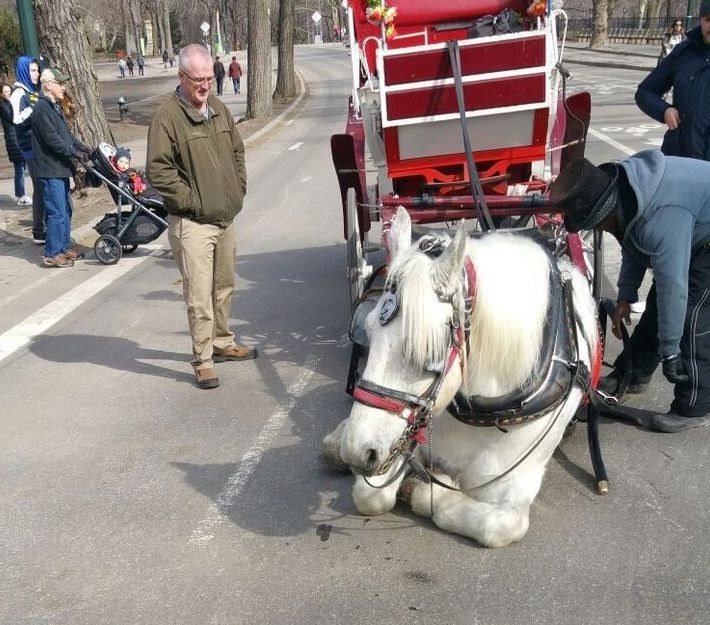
(613, 143)
(295, 146)
(307, 179)
(217, 510)
(39, 322)
(655, 142)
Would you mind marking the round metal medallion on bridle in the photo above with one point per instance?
(388, 308)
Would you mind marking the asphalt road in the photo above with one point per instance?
(129, 496)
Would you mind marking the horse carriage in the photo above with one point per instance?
(480, 341)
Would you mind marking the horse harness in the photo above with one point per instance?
(558, 371)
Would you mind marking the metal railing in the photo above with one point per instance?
(623, 29)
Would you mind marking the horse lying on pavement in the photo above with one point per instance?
(484, 355)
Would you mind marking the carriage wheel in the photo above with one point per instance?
(593, 250)
(357, 270)
(108, 249)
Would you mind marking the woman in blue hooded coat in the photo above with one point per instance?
(23, 99)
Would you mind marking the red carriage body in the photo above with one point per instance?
(404, 109)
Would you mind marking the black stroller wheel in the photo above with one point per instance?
(129, 249)
(108, 249)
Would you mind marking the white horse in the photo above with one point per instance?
(495, 472)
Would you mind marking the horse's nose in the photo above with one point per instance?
(372, 461)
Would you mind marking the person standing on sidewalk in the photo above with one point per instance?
(55, 148)
(140, 60)
(23, 99)
(235, 73)
(14, 153)
(203, 182)
(218, 69)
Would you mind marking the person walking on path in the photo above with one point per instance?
(23, 99)
(140, 60)
(130, 65)
(203, 182)
(55, 148)
(674, 35)
(235, 73)
(658, 209)
(687, 72)
(14, 153)
(122, 67)
(165, 59)
(219, 72)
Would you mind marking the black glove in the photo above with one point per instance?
(674, 370)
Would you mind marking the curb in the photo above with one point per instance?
(648, 68)
(88, 228)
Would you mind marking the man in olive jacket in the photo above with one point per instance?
(196, 162)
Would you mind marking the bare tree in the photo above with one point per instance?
(63, 42)
(286, 76)
(600, 13)
(258, 60)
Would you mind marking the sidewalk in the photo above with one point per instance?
(616, 55)
(16, 221)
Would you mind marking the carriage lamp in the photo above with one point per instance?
(122, 108)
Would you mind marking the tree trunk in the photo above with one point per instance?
(168, 40)
(600, 12)
(63, 42)
(258, 60)
(137, 19)
(286, 77)
(128, 30)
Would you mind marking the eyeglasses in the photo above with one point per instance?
(198, 81)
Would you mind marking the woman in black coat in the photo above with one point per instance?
(14, 153)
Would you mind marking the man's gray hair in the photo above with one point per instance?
(190, 50)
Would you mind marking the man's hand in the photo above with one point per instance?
(671, 117)
(622, 314)
(674, 370)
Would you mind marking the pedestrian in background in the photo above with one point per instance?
(674, 35)
(203, 181)
(122, 66)
(130, 65)
(687, 118)
(165, 59)
(235, 73)
(14, 153)
(219, 72)
(24, 96)
(140, 59)
(55, 149)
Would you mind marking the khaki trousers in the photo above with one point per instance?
(205, 255)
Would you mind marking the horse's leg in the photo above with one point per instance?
(372, 501)
(492, 524)
(331, 448)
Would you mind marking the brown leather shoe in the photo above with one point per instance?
(206, 378)
(73, 253)
(235, 352)
(57, 261)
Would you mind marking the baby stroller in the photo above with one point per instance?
(123, 231)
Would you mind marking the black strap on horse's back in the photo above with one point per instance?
(484, 216)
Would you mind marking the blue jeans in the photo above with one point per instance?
(19, 178)
(57, 214)
(235, 84)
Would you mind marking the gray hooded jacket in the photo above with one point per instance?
(672, 222)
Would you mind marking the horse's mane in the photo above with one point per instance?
(509, 310)
(426, 335)
(510, 307)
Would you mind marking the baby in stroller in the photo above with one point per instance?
(123, 231)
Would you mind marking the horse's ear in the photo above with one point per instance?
(400, 232)
(450, 263)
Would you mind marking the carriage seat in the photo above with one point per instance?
(419, 12)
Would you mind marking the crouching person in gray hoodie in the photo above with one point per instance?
(658, 208)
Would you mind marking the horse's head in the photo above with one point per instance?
(411, 332)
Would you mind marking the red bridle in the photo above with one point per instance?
(417, 408)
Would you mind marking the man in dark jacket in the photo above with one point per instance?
(658, 208)
(219, 75)
(203, 181)
(687, 71)
(55, 147)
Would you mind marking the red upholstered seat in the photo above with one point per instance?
(422, 12)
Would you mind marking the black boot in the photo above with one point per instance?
(609, 384)
(672, 422)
